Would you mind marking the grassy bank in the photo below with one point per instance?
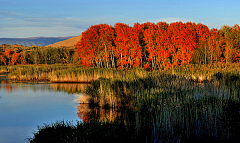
(34, 72)
(74, 73)
(80, 74)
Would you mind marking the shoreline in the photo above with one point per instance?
(79, 74)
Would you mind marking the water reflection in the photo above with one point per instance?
(202, 112)
(87, 113)
(8, 86)
(70, 88)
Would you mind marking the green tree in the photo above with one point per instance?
(34, 56)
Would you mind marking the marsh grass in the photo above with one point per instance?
(3, 69)
(91, 74)
(74, 73)
(123, 91)
(84, 132)
(34, 72)
(200, 73)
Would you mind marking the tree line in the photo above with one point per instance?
(157, 46)
(36, 55)
(149, 45)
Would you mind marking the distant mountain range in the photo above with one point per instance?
(38, 41)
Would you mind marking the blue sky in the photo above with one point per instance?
(60, 18)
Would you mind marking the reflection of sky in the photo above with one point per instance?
(27, 106)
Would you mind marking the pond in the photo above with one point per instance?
(176, 111)
(23, 106)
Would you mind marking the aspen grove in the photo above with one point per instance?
(157, 46)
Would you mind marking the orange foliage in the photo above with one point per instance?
(15, 57)
(7, 52)
(3, 59)
(24, 62)
(155, 46)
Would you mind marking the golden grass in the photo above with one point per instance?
(78, 74)
(66, 43)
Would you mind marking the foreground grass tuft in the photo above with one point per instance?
(83, 132)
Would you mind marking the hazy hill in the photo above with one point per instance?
(67, 43)
(38, 41)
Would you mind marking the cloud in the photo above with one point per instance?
(8, 14)
(217, 22)
(172, 19)
(24, 32)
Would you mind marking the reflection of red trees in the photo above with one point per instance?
(98, 114)
(6, 85)
(9, 88)
(83, 110)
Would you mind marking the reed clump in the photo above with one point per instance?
(123, 92)
(69, 132)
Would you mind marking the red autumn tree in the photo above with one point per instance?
(127, 50)
(105, 44)
(7, 54)
(15, 58)
(183, 41)
(150, 40)
(87, 47)
(162, 51)
(203, 35)
(140, 29)
(96, 46)
(190, 41)
(135, 48)
(3, 59)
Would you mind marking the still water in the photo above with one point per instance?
(25, 106)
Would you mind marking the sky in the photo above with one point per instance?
(61, 18)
